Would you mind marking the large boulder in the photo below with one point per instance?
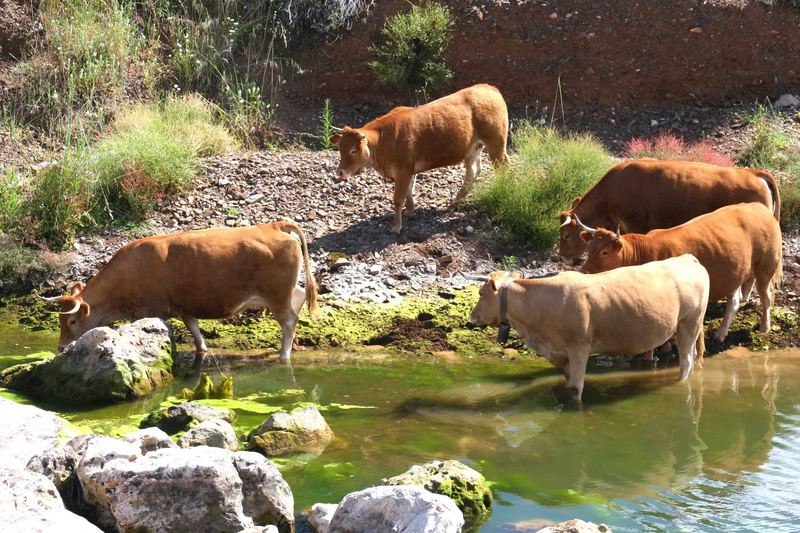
(465, 486)
(103, 365)
(150, 439)
(184, 416)
(26, 431)
(410, 509)
(214, 433)
(30, 503)
(59, 465)
(194, 489)
(302, 430)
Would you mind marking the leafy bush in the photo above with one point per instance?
(414, 50)
(23, 267)
(773, 148)
(326, 126)
(547, 172)
(669, 147)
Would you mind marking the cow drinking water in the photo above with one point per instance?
(208, 274)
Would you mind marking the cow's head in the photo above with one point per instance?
(487, 311)
(73, 316)
(570, 244)
(353, 151)
(604, 251)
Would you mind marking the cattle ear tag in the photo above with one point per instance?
(502, 332)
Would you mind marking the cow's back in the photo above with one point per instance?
(633, 309)
(207, 273)
(440, 132)
(649, 194)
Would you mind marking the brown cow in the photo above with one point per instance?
(568, 317)
(640, 195)
(409, 140)
(208, 274)
(738, 245)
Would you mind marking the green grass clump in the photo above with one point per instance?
(774, 148)
(548, 171)
(414, 50)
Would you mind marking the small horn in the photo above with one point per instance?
(584, 226)
(51, 298)
(337, 129)
(476, 277)
(73, 310)
(566, 221)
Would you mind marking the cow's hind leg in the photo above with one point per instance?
(747, 288)
(688, 343)
(409, 209)
(199, 342)
(472, 164)
(287, 318)
(731, 306)
(401, 187)
(766, 295)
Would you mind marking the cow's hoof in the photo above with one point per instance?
(198, 361)
(720, 337)
(396, 230)
(408, 212)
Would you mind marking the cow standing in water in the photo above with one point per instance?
(641, 195)
(409, 140)
(207, 274)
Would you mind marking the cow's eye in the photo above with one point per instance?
(354, 151)
(604, 252)
(567, 236)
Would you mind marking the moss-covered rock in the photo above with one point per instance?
(175, 418)
(104, 365)
(465, 486)
(302, 430)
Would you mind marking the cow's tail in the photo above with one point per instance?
(289, 226)
(772, 183)
(700, 346)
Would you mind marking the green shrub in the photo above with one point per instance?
(152, 151)
(11, 198)
(23, 267)
(414, 50)
(326, 126)
(547, 172)
(773, 148)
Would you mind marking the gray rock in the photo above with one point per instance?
(179, 417)
(302, 430)
(576, 526)
(320, 515)
(267, 497)
(465, 486)
(103, 365)
(409, 509)
(26, 431)
(31, 503)
(150, 439)
(214, 433)
(193, 489)
(787, 100)
(59, 466)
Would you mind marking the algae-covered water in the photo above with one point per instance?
(721, 452)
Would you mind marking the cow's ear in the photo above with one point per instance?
(334, 139)
(492, 285)
(575, 202)
(586, 236)
(76, 289)
(517, 275)
(85, 309)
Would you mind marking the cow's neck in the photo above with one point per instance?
(373, 140)
(593, 208)
(524, 318)
(100, 298)
(638, 249)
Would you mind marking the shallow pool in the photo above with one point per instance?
(720, 452)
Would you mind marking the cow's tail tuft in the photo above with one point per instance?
(289, 226)
(700, 346)
(772, 183)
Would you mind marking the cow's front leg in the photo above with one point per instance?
(731, 306)
(287, 319)
(199, 342)
(577, 372)
(401, 186)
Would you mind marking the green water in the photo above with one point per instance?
(720, 452)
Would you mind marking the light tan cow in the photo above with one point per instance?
(739, 245)
(208, 274)
(626, 311)
(409, 140)
(645, 194)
